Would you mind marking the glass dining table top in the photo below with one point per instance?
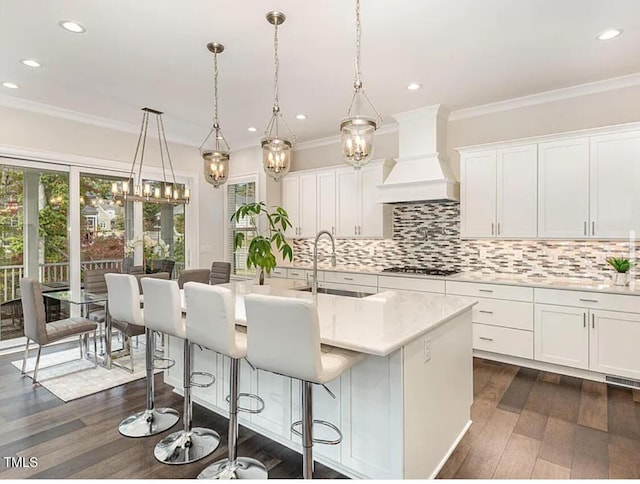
(82, 297)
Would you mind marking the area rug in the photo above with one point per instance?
(68, 377)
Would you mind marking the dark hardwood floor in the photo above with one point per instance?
(80, 439)
(526, 424)
(529, 424)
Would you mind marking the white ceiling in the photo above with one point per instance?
(152, 53)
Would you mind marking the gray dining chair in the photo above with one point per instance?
(220, 273)
(36, 328)
(194, 275)
(95, 283)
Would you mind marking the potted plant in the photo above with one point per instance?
(154, 252)
(621, 266)
(269, 228)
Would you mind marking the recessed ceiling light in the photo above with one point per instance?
(414, 86)
(609, 34)
(9, 85)
(31, 63)
(71, 26)
(252, 129)
(301, 116)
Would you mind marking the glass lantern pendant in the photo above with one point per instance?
(276, 149)
(216, 157)
(357, 131)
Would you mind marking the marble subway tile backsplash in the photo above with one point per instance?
(428, 234)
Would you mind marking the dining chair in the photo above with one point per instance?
(94, 283)
(194, 275)
(37, 329)
(220, 273)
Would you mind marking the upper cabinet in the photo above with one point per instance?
(342, 201)
(567, 188)
(615, 198)
(499, 193)
(299, 200)
(563, 202)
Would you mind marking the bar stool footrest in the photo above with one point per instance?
(247, 409)
(295, 425)
(170, 362)
(202, 385)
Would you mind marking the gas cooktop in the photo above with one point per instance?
(427, 271)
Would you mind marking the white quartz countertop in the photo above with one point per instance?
(549, 282)
(376, 325)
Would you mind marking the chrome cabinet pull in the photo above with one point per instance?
(485, 311)
(593, 228)
(498, 228)
(348, 278)
(584, 320)
(585, 228)
(492, 228)
(333, 230)
(485, 338)
(588, 300)
(355, 230)
(485, 290)
(593, 321)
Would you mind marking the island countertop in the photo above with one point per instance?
(376, 325)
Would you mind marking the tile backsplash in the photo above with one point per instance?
(428, 234)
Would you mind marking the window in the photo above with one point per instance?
(237, 195)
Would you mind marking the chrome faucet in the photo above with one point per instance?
(314, 283)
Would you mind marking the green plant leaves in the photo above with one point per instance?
(620, 264)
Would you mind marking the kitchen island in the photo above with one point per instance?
(402, 409)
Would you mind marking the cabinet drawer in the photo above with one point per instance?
(493, 291)
(279, 272)
(351, 278)
(509, 314)
(299, 274)
(411, 284)
(586, 299)
(505, 341)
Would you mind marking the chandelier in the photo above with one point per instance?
(164, 192)
(216, 158)
(357, 130)
(276, 149)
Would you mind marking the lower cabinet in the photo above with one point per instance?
(506, 341)
(561, 335)
(614, 345)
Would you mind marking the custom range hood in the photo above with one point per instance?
(421, 173)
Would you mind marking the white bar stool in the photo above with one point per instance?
(162, 312)
(278, 323)
(124, 305)
(211, 323)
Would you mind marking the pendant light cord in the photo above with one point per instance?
(358, 82)
(276, 100)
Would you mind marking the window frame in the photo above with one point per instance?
(228, 248)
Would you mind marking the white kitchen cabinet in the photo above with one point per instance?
(478, 192)
(615, 198)
(275, 390)
(563, 189)
(499, 193)
(327, 201)
(299, 199)
(517, 192)
(561, 335)
(614, 343)
(358, 213)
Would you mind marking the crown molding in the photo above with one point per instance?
(78, 117)
(548, 96)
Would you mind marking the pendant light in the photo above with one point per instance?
(216, 157)
(169, 191)
(276, 149)
(357, 130)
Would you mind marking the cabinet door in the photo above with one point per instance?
(291, 202)
(308, 201)
(478, 195)
(371, 223)
(517, 182)
(347, 213)
(563, 196)
(561, 336)
(614, 343)
(275, 390)
(615, 171)
(327, 201)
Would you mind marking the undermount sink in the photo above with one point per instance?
(338, 292)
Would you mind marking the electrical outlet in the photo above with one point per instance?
(372, 250)
(427, 350)
(517, 254)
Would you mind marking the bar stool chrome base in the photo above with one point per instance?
(242, 468)
(149, 422)
(185, 447)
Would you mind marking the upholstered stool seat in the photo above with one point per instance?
(275, 323)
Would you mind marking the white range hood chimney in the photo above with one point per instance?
(421, 173)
